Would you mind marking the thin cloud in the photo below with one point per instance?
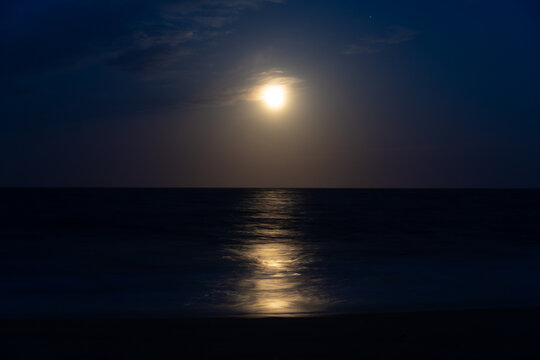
(138, 60)
(215, 21)
(374, 44)
(108, 32)
(251, 91)
(196, 6)
(185, 27)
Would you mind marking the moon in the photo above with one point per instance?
(274, 96)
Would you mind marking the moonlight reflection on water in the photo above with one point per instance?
(277, 263)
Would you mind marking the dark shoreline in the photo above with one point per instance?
(470, 334)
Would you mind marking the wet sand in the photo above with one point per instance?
(458, 334)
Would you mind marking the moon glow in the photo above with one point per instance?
(274, 96)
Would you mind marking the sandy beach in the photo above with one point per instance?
(458, 334)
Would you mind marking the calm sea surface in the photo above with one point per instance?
(260, 252)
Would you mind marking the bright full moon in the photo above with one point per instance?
(274, 96)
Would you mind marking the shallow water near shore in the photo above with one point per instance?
(265, 252)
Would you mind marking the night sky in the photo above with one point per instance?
(164, 93)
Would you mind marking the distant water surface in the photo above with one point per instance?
(264, 252)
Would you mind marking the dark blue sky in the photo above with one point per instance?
(161, 93)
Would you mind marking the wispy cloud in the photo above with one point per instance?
(251, 90)
(374, 44)
(189, 7)
(182, 27)
(126, 35)
(215, 21)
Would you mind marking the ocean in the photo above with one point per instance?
(177, 253)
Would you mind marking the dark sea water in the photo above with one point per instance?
(260, 252)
